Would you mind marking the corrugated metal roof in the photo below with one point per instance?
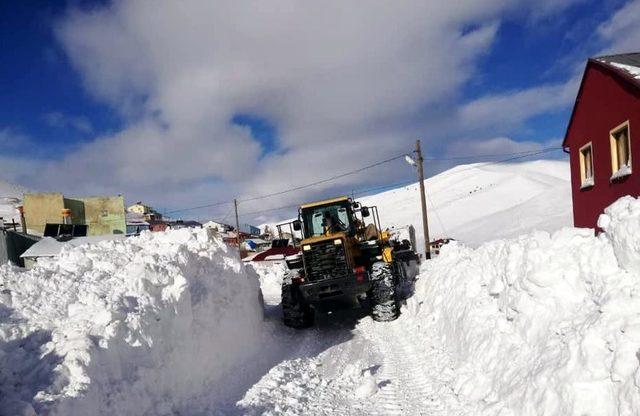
(632, 59)
(627, 64)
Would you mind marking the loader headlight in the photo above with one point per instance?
(337, 241)
(306, 247)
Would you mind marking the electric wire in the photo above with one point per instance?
(330, 179)
(514, 156)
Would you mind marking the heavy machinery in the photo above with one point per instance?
(344, 256)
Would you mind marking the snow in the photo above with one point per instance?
(50, 247)
(541, 324)
(478, 202)
(634, 71)
(625, 170)
(10, 199)
(587, 182)
(146, 325)
(543, 320)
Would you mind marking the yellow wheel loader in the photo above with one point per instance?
(345, 257)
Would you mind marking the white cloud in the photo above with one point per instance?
(512, 108)
(342, 81)
(60, 120)
(622, 31)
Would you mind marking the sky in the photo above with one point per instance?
(186, 104)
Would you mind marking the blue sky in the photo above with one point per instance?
(73, 74)
(39, 81)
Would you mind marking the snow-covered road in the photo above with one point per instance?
(171, 324)
(350, 365)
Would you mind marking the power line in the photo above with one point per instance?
(520, 155)
(526, 152)
(435, 209)
(479, 165)
(332, 178)
(215, 204)
(516, 155)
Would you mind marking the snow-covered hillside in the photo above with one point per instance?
(10, 197)
(478, 203)
(481, 202)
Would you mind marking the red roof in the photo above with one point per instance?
(285, 251)
(606, 63)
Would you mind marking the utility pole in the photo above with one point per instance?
(423, 198)
(235, 204)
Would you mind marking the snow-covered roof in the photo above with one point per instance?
(628, 63)
(134, 218)
(50, 247)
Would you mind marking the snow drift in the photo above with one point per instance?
(146, 325)
(544, 324)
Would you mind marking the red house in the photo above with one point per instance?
(600, 139)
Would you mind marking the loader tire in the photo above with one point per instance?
(383, 293)
(296, 313)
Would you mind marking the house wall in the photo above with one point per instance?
(104, 215)
(39, 209)
(138, 209)
(606, 102)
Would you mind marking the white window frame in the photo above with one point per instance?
(618, 170)
(586, 182)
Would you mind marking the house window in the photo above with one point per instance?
(586, 165)
(620, 140)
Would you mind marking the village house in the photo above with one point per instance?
(102, 215)
(147, 212)
(217, 226)
(599, 137)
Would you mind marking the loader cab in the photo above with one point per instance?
(327, 219)
(337, 215)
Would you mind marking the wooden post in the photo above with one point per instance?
(23, 221)
(423, 198)
(235, 204)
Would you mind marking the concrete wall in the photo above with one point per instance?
(40, 209)
(104, 215)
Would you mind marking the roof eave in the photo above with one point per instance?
(620, 73)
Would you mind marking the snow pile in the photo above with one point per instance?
(270, 274)
(541, 324)
(146, 325)
(10, 199)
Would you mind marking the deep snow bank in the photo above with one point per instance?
(542, 324)
(147, 325)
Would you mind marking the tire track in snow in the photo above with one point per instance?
(325, 367)
(413, 378)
